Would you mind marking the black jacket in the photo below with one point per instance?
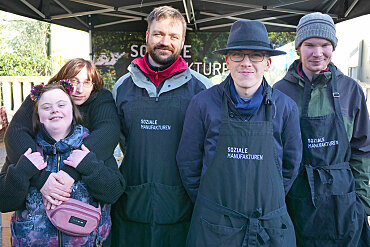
(201, 130)
(99, 166)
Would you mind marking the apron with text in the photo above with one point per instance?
(241, 199)
(155, 210)
(322, 202)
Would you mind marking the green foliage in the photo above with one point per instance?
(109, 77)
(109, 45)
(279, 39)
(203, 43)
(12, 64)
(24, 49)
(2, 36)
(110, 42)
(31, 38)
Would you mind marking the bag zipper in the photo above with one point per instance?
(60, 239)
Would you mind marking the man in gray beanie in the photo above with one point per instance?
(316, 25)
(330, 200)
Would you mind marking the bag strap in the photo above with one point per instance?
(39, 149)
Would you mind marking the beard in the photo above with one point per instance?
(155, 54)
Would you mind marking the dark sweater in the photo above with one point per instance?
(98, 169)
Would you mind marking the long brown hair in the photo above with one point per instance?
(73, 67)
(35, 117)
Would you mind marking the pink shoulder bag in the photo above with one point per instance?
(75, 218)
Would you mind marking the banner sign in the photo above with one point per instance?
(114, 51)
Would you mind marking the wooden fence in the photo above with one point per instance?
(14, 89)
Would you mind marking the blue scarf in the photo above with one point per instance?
(246, 106)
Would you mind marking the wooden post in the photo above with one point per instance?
(7, 92)
(5, 228)
(27, 85)
(17, 94)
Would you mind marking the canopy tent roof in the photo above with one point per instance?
(201, 15)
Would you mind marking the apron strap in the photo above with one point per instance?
(267, 92)
(338, 110)
(332, 86)
(324, 175)
(255, 228)
(224, 109)
(335, 93)
(39, 149)
(224, 106)
(306, 97)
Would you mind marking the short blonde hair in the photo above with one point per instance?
(165, 12)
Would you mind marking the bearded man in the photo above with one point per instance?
(151, 101)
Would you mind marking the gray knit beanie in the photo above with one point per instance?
(316, 25)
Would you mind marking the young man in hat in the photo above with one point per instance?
(328, 200)
(240, 150)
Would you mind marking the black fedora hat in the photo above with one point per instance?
(249, 35)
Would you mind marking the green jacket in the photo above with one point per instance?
(355, 116)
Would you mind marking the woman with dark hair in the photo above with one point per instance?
(99, 114)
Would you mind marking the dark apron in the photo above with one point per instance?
(154, 210)
(322, 202)
(241, 199)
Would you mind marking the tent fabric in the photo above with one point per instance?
(201, 15)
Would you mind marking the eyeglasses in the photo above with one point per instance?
(253, 57)
(86, 84)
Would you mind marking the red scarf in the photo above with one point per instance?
(158, 76)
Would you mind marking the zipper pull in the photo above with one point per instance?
(156, 99)
(99, 243)
(99, 240)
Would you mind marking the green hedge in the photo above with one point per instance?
(13, 64)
